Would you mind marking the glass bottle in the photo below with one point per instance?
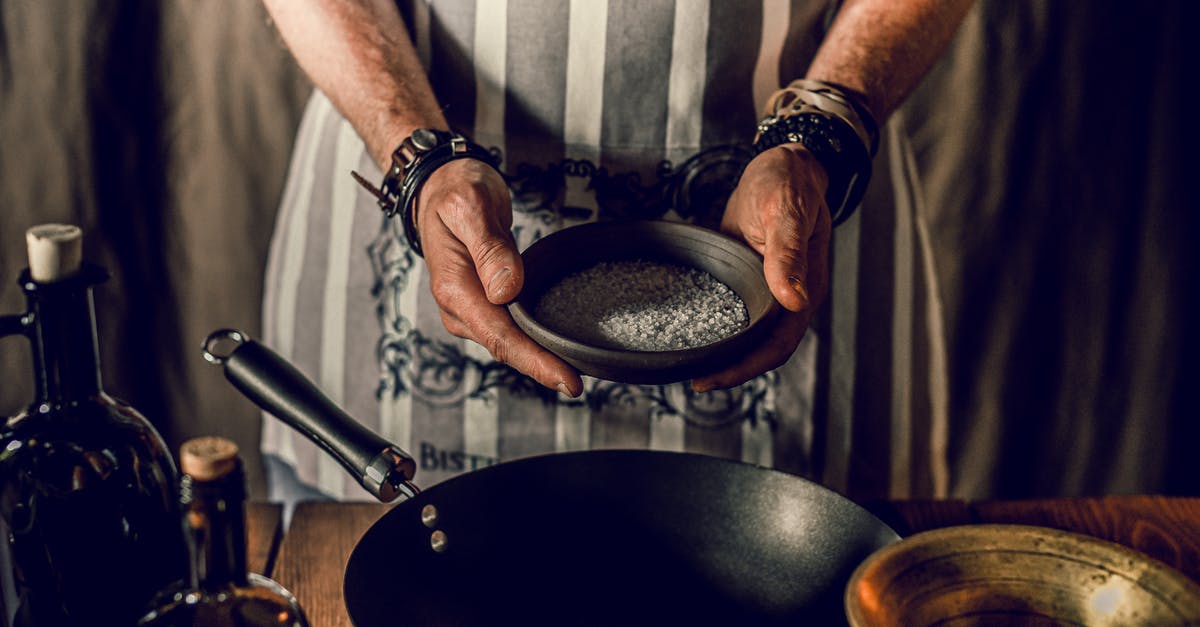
(218, 591)
(88, 512)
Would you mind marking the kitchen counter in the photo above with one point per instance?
(264, 532)
(311, 559)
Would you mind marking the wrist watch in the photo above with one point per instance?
(420, 145)
(422, 152)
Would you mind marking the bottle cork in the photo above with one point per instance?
(208, 458)
(55, 251)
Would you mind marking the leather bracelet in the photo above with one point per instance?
(413, 161)
(856, 102)
(836, 146)
(831, 98)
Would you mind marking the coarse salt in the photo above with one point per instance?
(643, 306)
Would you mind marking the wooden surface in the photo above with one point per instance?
(264, 529)
(312, 557)
(1165, 528)
(314, 552)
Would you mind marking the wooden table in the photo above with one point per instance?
(312, 557)
(264, 532)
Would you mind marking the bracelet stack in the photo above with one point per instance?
(413, 161)
(836, 128)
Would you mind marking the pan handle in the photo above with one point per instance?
(276, 386)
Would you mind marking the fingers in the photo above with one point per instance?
(464, 217)
(775, 209)
(790, 326)
(771, 353)
(785, 260)
(470, 203)
(469, 315)
(779, 210)
(796, 261)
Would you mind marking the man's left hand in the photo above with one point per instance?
(779, 209)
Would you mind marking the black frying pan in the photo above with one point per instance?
(587, 538)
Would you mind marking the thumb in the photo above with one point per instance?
(498, 265)
(785, 263)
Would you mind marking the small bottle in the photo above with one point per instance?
(218, 591)
(88, 508)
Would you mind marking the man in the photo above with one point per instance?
(584, 101)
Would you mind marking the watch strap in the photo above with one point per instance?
(413, 161)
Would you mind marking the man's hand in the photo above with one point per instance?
(779, 209)
(464, 216)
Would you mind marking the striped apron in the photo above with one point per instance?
(603, 109)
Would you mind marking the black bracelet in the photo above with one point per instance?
(836, 146)
(413, 161)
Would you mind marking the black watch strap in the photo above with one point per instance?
(422, 152)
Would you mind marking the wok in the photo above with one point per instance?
(584, 538)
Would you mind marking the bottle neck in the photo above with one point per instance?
(65, 354)
(215, 524)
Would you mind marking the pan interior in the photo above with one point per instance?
(614, 537)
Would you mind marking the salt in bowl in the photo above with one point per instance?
(574, 249)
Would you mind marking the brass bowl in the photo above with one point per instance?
(570, 250)
(1016, 575)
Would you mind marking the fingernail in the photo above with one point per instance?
(564, 390)
(498, 282)
(799, 289)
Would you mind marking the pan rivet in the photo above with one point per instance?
(437, 540)
(429, 516)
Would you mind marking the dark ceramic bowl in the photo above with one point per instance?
(577, 248)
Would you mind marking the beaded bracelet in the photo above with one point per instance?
(823, 119)
(830, 98)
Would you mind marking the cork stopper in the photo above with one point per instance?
(55, 251)
(208, 458)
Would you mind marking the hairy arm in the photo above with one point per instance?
(879, 49)
(358, 53)
(882, 48)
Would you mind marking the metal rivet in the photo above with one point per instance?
(429, 516)
(437, 541)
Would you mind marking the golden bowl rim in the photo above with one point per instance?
(1188, 590)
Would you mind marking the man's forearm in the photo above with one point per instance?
(358, 53)
(882, 48)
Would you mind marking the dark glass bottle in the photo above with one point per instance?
(218, 591)
(88, 513)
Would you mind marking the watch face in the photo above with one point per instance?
(424, 139)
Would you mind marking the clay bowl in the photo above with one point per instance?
(1016, 575)
(576, 248)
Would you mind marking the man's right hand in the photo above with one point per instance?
(464, 217)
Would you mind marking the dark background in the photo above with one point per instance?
(1054, 142)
